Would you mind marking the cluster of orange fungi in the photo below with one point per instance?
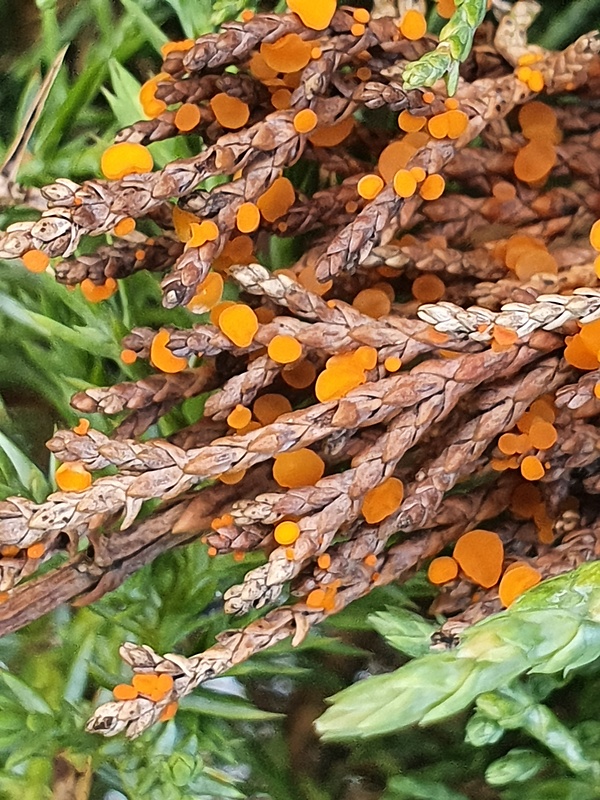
(277, 67)
(151, 686)
(478, 556)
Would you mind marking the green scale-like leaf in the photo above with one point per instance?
(554, 627)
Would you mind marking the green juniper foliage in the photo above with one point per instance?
(531, 673)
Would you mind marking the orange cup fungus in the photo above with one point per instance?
(290, 53)
(382, 500)
(315, 15)
(268, 407)
(239, 323)
(230, 112)
(247, 218)
(332, 135)
(442, 570)
(413, 25)
(480, 554)
(187, 117)
(373, 303)
(286, 533)
(299, 468)
(305, 121)
(124, 226)
(35, 260)
(96, 294)
(208, 294)
(432, 187)
(125, 158)
(73, 477)
(369, 186)
(277, 200)
(239, 417)
(299, 375)
(428, 288)
(162, 358)
(284, 349)
(405, 184)
(515, 581)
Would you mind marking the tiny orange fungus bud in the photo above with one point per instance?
(480, 555)
(82, 427)
(413, 25)
(169, 711)
(125, 158)
(35, 260)
(535, 81)
(284, 349)
(516, 581)
(392, 364)
(239, 323)
(247, 218)
(324, 561)
(123, 691)
(128, 356)
(298, 468)
(305, 121)
(369, 186)
(36, 550)
(363, 73)
(442, 569)
(382, 500)
(230, 112)
(370, 560)
(361, 15)
(286, 533)
(357, 29)
(73, 477)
